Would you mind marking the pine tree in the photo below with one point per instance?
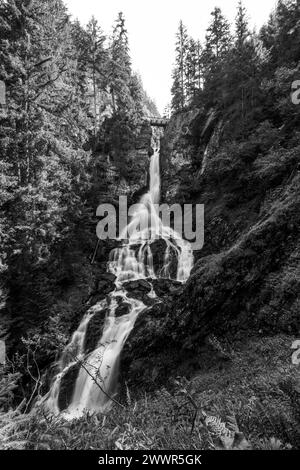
(241, 61)
(281, 35)
(246, 63)
(214, 56)
(177, 92)
(96, 59)
(179, 73)
(137, 96)
(194, 70)
(120, 65)
(241, 26)
(218, 38)
(199, 65)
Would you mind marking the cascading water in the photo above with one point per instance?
(132, 261)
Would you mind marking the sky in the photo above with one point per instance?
(152, 25)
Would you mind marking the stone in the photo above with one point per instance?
(164, 287)
(139, 284)
(67, 386)
(94, 331)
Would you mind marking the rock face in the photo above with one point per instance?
(122, 309)
(94, 331)
(104, 285)
(67, 387)
(158, 248)
(139, 290)
(177, 154)
(123, 172)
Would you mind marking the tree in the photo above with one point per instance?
(281, 35)
(193, 70)
(218, 38)
(96, 59)
(137, 96)
(179, 71)
(242, 32)
(120, 65)
(213, 58)
(191, 79)
(199, 65)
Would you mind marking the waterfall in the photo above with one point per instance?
(97, 377)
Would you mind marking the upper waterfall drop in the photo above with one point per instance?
(97, 377)
(155, 178)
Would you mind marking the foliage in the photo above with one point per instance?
(245, 405)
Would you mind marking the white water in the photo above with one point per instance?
(97, 378)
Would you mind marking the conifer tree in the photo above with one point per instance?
(199, 65)
(241, 26)
(120, 65)
(137, 96)
(281, 35)
(191, 70)
(179, 73)
(218, 38)
(177, 92)
(214, 56)
(96, 58)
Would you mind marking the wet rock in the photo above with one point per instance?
(142, 297)
(94, 331)
(122, 309)
(140, 285)
(134, 370)
(67, 386)
(164, 287)
(109, 277)
(139, 290)
(158, 249)
(106, 284)
(150, 152)
(177, 151)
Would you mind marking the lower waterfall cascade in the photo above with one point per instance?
(131, 261)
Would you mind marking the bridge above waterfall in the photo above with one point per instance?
(156, 121)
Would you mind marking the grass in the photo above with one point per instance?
(245, 398)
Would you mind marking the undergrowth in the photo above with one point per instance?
(251, 402)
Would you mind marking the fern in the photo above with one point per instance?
(216, 427)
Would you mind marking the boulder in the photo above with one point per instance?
(141, 285)
(139, 289)
(163, 287)
(123, 307)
